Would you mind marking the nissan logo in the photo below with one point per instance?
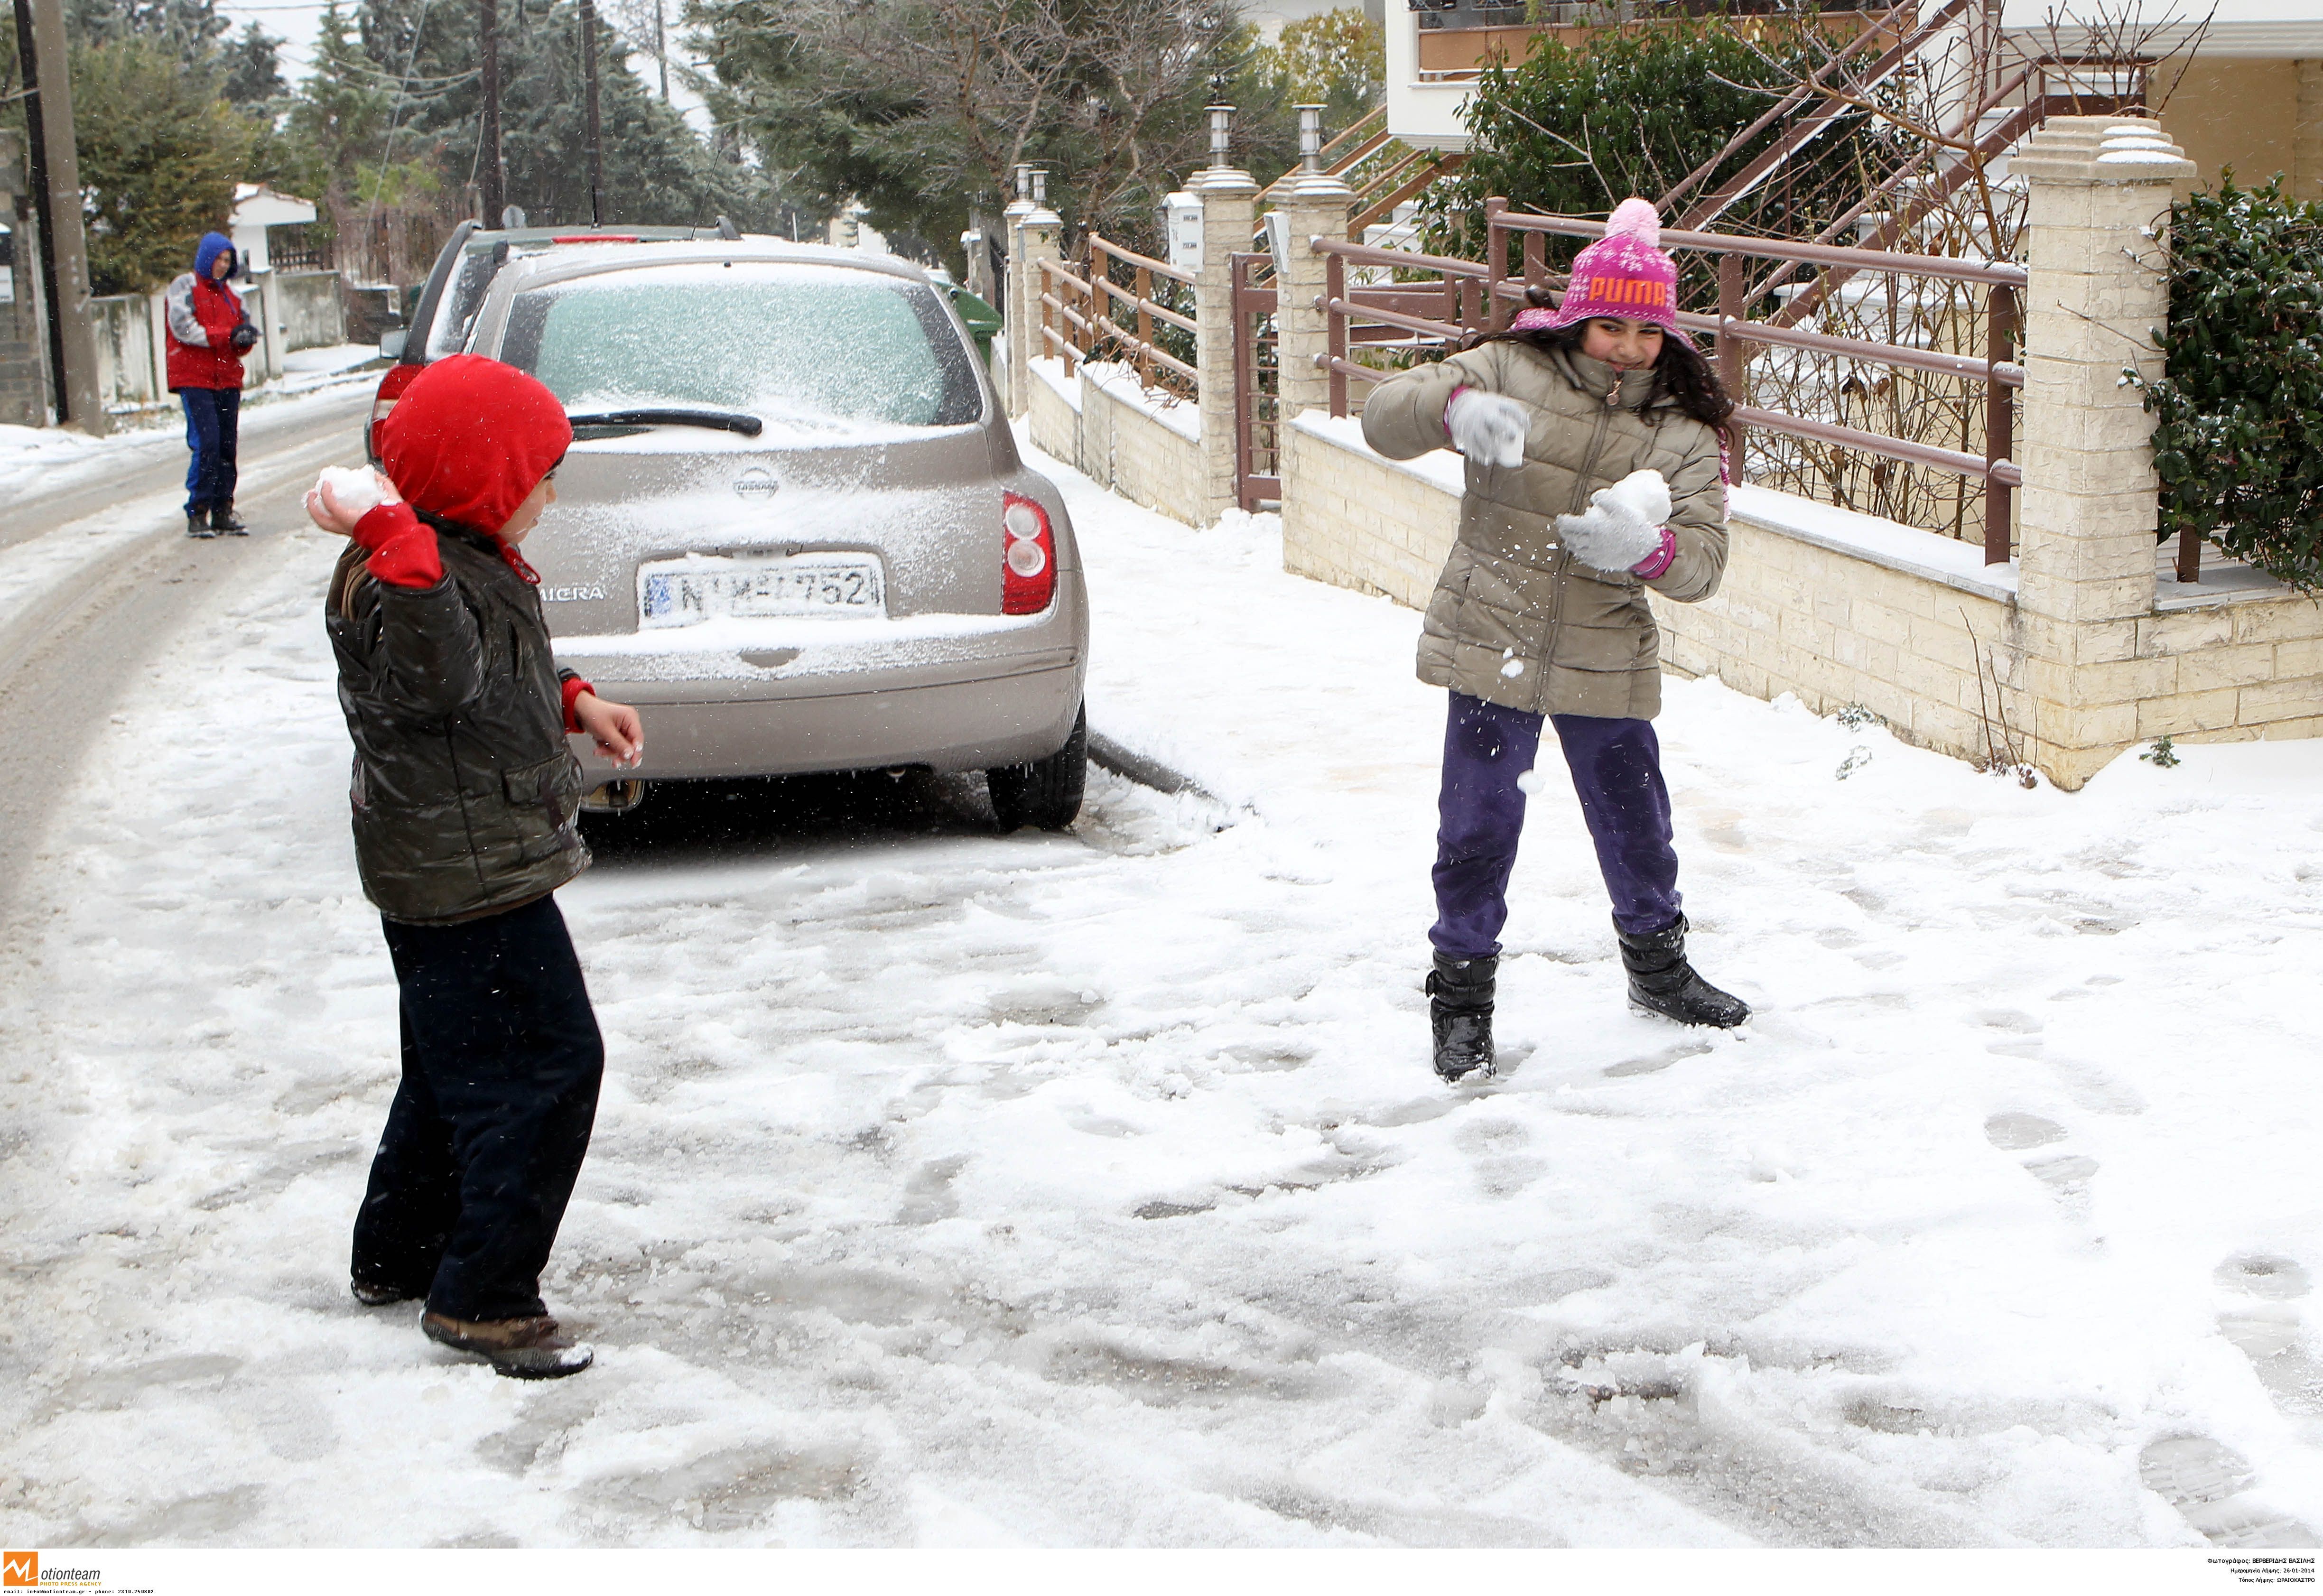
(756, 483)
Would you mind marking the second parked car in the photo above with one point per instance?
(794, 527)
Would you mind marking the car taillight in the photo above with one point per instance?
(1028, 557)
(391, 384)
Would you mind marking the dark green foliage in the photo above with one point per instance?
(1581, 127)
(254, 71)
(191, 30)
(656, 169)
(160, 155)
(919, 109)
(158, 151)
(2239, 440)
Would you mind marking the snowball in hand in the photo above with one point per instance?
(1622, 524)
(352, 488)
(1642, 497)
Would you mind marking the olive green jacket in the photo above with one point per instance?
(1514, 620)
(465, 792)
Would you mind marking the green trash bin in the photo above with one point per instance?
(982, 321)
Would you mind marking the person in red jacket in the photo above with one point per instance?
(209, 333)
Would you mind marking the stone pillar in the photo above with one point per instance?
(1315, 206)
(1229, 204)
(2098, 219)
(2307, 134)
(1012, 311)
(1041, 230)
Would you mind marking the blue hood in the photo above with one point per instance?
(206, 252)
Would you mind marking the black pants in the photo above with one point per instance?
(1616, 768)
(213, 420)
(502, 1061)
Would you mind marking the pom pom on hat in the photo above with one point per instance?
(1636, 218)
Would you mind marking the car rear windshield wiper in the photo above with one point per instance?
(740, 421)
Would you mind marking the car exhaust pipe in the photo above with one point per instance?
(614, 797)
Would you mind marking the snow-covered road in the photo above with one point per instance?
(952, 1188)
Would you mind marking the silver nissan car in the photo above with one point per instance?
(794, 528)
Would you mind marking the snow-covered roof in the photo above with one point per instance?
(257, 206)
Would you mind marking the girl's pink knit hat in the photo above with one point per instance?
(1624, 273)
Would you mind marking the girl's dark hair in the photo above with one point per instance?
(1679, 371)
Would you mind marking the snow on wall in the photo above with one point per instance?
(1144, 445)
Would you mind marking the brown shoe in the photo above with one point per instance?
(521, 1349)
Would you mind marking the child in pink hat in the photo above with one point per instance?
(1596, 438)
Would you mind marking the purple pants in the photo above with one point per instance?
(1617, 773)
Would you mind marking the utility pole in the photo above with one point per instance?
(596, 140)
(661, 51)
(56, 194)
(490, 134)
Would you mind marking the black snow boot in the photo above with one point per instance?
(1460, 1006)
(197, 522)
(223, 519)
(521, 1349)
(1661, 981)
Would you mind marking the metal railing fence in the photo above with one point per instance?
(1474, 299)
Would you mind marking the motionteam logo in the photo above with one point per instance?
(21, 1571)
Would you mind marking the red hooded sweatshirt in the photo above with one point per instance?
(468, 441)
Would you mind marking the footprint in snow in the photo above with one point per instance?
(2068, 1174)
(2016, 1133)
(2204, 1480)
(2268, 1330)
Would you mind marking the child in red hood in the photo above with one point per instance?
(466, 796)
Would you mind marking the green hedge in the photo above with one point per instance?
(2239, 437)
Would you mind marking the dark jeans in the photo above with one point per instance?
(213, 417)
(502, 1061)
(1617, 772)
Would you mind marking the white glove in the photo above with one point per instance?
(1489, 428)
(1623, 523)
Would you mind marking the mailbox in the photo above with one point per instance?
(1181, 225)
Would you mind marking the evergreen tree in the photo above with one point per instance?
(920, 108)
(253, 68)
(657, 170)
(160, 154)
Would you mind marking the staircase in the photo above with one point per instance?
(1385, 173)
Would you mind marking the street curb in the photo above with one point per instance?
(1144, 772)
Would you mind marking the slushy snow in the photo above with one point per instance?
(1094, 1189)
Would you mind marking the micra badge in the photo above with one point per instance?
(756, 483)
(566, 595)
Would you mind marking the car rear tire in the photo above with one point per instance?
(1047, 792)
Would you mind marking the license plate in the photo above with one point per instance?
(687, 592)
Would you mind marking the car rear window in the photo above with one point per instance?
(816, 347)
(463, 296)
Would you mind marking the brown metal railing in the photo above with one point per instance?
(1066, 331)
(1084, 316)
(1474, 298)
(1149, 357)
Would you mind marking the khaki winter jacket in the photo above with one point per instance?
(1514, 620)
